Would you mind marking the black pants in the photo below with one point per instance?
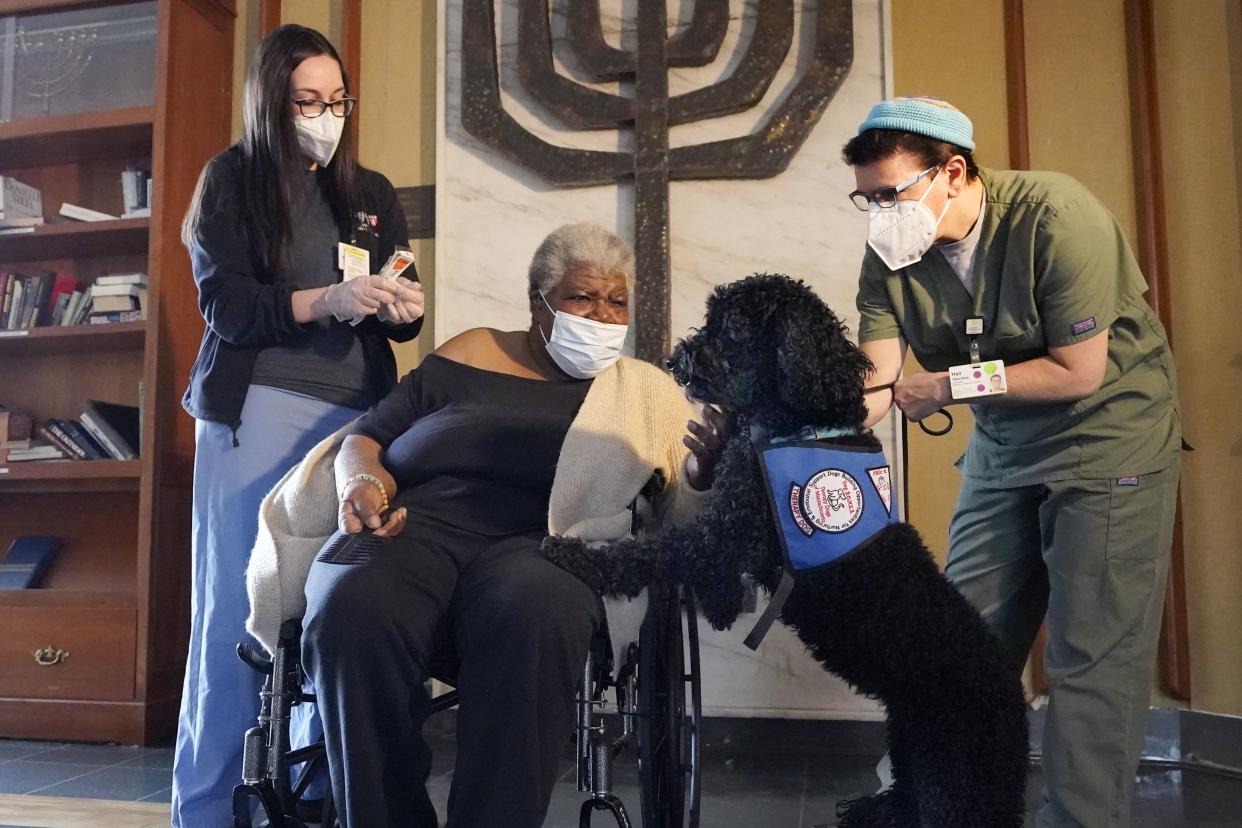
(518, 628)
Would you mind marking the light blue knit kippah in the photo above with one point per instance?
(922, 116)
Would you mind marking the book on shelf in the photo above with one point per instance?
(26, 560)
(112, 317)
(75, 309)
(98, 290)
(52, 438)
(77, 439)
(63, 287)
(119, 293)
(114, 426)
(14, 426)
(35, 301)
(6, 295)
(38, 451)
(108, 279)
(12, 299)
(20, 204)
(79, 213)
(109, 304)
(15, 432)
(135, 192)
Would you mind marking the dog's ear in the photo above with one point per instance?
(822, 371)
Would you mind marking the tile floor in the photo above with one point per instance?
(738, 789)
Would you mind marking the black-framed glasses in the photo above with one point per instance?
(313, 108)
(886, 197)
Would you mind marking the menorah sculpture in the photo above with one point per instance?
(651, 112)
(52, 61)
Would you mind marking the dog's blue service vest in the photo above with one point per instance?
(827, 500)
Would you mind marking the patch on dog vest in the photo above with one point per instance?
(827, 501)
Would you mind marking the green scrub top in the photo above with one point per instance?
(1052, 268)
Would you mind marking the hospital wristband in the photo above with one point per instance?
(372, 479)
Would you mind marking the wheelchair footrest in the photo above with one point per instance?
(607, 802)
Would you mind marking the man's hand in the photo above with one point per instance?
(705, 441)
(921, 395)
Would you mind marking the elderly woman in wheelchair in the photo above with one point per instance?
(444, 490)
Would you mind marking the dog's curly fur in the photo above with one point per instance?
(883, 618)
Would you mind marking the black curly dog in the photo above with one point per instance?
(883, 618)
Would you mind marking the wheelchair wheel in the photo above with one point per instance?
(669, 698)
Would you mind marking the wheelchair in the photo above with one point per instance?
(657, 717)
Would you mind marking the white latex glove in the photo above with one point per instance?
(408, 305)
(358, 298)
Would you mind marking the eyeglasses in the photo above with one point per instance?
(886, 197)
(313, 108)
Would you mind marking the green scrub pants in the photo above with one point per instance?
(1091, 557)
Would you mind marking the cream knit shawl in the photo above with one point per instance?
(629, 427)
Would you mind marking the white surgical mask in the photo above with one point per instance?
(900, 235)
(582, 347)
(319, 137)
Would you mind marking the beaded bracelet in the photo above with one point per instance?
(372, 479)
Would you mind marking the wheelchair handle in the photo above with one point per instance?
(254, 659)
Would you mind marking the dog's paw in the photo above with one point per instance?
(887, 809)
(572, 555)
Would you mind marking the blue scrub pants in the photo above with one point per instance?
(220, 700)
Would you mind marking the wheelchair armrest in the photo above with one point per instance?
(254, 659)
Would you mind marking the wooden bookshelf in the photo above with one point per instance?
(71, 339)
(52, 598)
(68, 472)
(117, 594)
(75, 239)
(66, 138)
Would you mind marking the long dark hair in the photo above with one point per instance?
(271, 158)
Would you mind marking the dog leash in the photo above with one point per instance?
(934, 432)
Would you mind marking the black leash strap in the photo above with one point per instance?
(773, 611)
(948, 426)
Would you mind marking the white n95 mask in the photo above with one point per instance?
(581, 347)
(319, 137)
(902, 234)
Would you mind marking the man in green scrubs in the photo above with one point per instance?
(1069, 481)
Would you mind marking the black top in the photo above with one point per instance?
(248, 308)
(472, 448)
(327, 363)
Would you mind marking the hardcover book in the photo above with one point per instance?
(27, 560)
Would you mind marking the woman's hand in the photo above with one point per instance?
(921, 395)
(358, 298)
(705, 441)
(408, 305)
(362, 504)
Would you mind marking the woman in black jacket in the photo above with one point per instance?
(291, 352)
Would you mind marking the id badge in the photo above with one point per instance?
(353, 261)
(987, 379)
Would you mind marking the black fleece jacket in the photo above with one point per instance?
(247, 308)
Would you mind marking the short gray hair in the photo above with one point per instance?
(578, 245)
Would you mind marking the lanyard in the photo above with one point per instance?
(974, 329)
